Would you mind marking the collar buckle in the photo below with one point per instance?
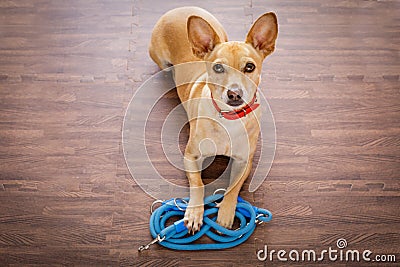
(220, 114)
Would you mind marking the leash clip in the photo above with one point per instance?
(259, 221)
(158, 239)
(216, 191)
(154, 203)
(177, 205)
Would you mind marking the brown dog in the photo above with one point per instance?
(219, 94)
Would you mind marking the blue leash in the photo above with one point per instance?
(176, 235)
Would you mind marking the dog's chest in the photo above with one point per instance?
(229, 138)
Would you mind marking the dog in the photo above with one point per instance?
(225, 77)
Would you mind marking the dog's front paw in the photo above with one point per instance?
(226, 214)
(194, 217)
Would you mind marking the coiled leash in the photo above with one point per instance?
(175, 236)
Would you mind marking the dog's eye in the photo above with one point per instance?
(249, 67)
(218, 68)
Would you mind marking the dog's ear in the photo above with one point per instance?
(201, 35)
(263, 34)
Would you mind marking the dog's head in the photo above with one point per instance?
(234, 68)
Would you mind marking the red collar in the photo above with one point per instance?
(236, 114)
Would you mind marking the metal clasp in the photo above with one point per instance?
(219, 189)
(154, 203)
(221, 115)
(259, 221)
(176, 203)
(158, 239)
(216, 191)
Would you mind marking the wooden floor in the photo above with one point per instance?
(69, 68)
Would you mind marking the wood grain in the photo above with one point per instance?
(68, 70)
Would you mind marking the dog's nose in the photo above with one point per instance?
(235, 93)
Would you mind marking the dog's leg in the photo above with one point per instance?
(195, 210)
(239, 173)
